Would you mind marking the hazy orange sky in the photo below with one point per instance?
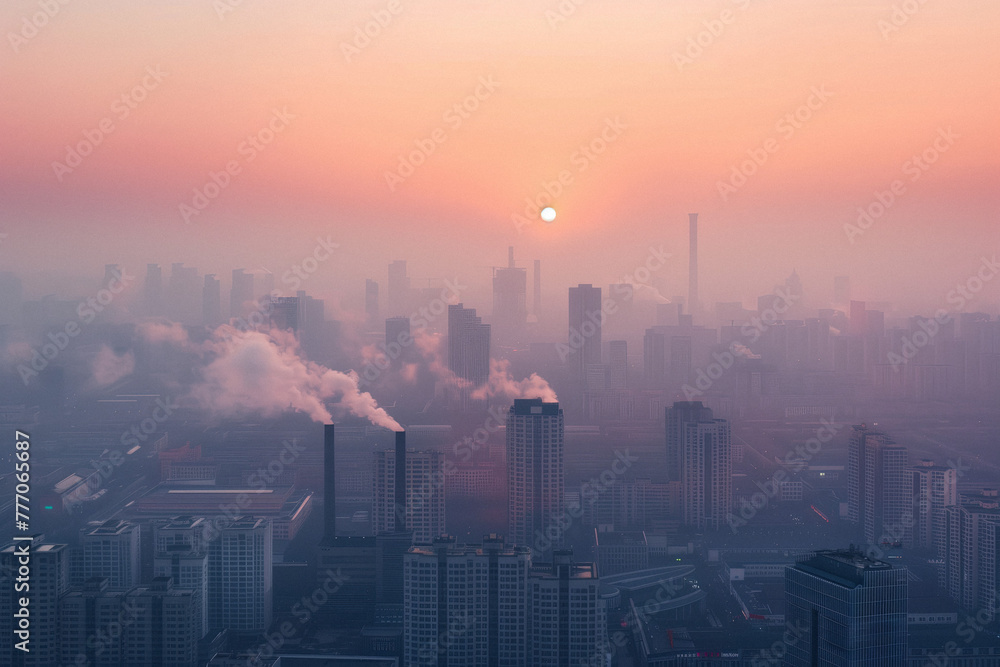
(684, 124)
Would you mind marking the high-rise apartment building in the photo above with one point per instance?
(535, 474)
(239, 575)
(111, 550)
(700, 457)
(465, 606)
(48, 581)
(585, 321)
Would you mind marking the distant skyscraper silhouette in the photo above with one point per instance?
(399, 288)
(509, 300)
(535, 474)
(703, 462)
(153, 290)
(693, 263)
(241, 293)
(211, 301)
(371, 302)
(468, 345)
(843, 608)
(537, 301)
(585, 320)
(879, 491)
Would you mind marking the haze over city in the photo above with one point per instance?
(682, 319)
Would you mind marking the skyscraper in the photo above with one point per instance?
(425, 493)
(239, 575)
(677, 418)
(211, 301)
(618, 365)
(468, 345)
(846, 609)
(152, 294)
(535, 476)
(566, 614)
(585, 320)
(934, 488)
(510, 309)
(371, 302)
(879, 493)
(398, 288)
(184, 294)
(188, 568)
(85, 614)
(241, 293)
(285, 311)
(111, 550)
(536, 303)
(162, 630)
(466, 606)
(706, 461)
(48, 581)
(693, 263)
(969, 541)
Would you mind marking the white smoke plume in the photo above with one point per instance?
(108, 367)
(742, 350)
(263, 373)
(501, 385)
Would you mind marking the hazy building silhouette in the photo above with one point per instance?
(186, 565)
(398, 291)
(468, 348)
(535, 475)
(184, 295)
(371, 302)
(241, 293)
(536, 302)
(509, 300)
(969, 542)
(86, 612)
(879, 491)
(285, 312)
(617, 365)
(693, 263)
(152, 291)
(705, 459)
(211, 301)
(585, 321)
(845, 609)
(934, 488)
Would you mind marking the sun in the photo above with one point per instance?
(548, 214)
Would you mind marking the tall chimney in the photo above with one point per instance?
(400, 488)
(510, 257)
(329, 485)
(693, 265)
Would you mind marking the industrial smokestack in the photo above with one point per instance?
(510, 257)
(400, 481)
(329, 485)
(693, 264)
